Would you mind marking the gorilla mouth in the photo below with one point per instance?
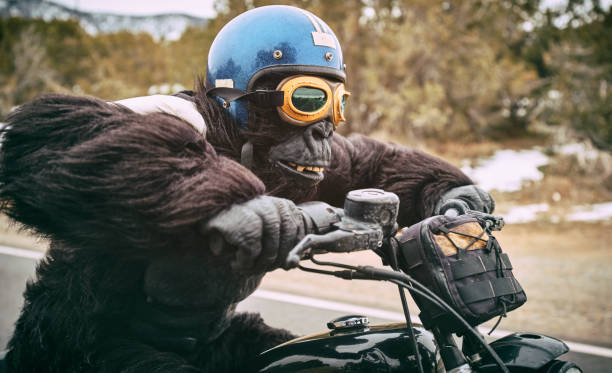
(310, 172)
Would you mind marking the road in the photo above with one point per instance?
(298, 314)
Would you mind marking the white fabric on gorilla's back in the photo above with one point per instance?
(186, 110)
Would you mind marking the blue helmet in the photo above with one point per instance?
(276, 38)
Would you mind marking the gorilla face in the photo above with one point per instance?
(291, 160)
(306, 154)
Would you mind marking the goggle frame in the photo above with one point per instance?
(334, 92)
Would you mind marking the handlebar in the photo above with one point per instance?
(369, 216)
(456, 207)
(345, 239)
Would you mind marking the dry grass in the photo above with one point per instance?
(577, 181)
(457, 151)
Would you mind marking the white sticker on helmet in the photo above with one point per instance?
(322, 39)
(227, 83)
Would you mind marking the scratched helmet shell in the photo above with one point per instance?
(276, 38)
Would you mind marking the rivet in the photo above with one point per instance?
(226, 105)
(277, 54)
(329, 56)
(344, 66)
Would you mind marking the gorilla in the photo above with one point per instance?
(161, 220)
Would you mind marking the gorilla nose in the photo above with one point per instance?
(317, 136)
(320, 130)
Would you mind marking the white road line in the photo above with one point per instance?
(332, 306)
(21, 253)
(396, 316)
(342, 307)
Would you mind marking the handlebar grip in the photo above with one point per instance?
(319, 217)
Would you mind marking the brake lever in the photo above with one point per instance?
(493, 222)
(350, 236)
(312, 242)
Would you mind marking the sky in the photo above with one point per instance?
(199, 8)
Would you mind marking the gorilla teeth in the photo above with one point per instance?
(301, 168)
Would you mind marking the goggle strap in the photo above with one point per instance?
(260, 98)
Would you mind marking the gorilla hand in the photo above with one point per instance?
(262, 231)
(467, 196)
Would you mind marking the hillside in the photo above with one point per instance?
(161, 26)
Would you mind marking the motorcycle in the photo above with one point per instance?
(367, 222)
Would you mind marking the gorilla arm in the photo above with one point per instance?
(417, 178)
(85, 172)
(121, 196)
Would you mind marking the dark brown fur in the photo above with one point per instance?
(128, 284)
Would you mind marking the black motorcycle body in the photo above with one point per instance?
(380, 348)
(386, 348)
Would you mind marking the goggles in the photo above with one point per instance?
(308, 99)
(300, 100)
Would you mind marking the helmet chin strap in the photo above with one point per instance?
(262, 98)
(246, 155)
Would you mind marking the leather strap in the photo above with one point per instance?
(475, 264)
(260, 97)
(492, 289)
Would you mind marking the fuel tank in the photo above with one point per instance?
(378, 348)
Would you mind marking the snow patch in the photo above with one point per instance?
(506, 170)
(584, 213)
(600, 211)
(580, 150)
(525, 213)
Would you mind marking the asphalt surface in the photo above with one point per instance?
(300, 319)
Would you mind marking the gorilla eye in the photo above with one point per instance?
(309, 99)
